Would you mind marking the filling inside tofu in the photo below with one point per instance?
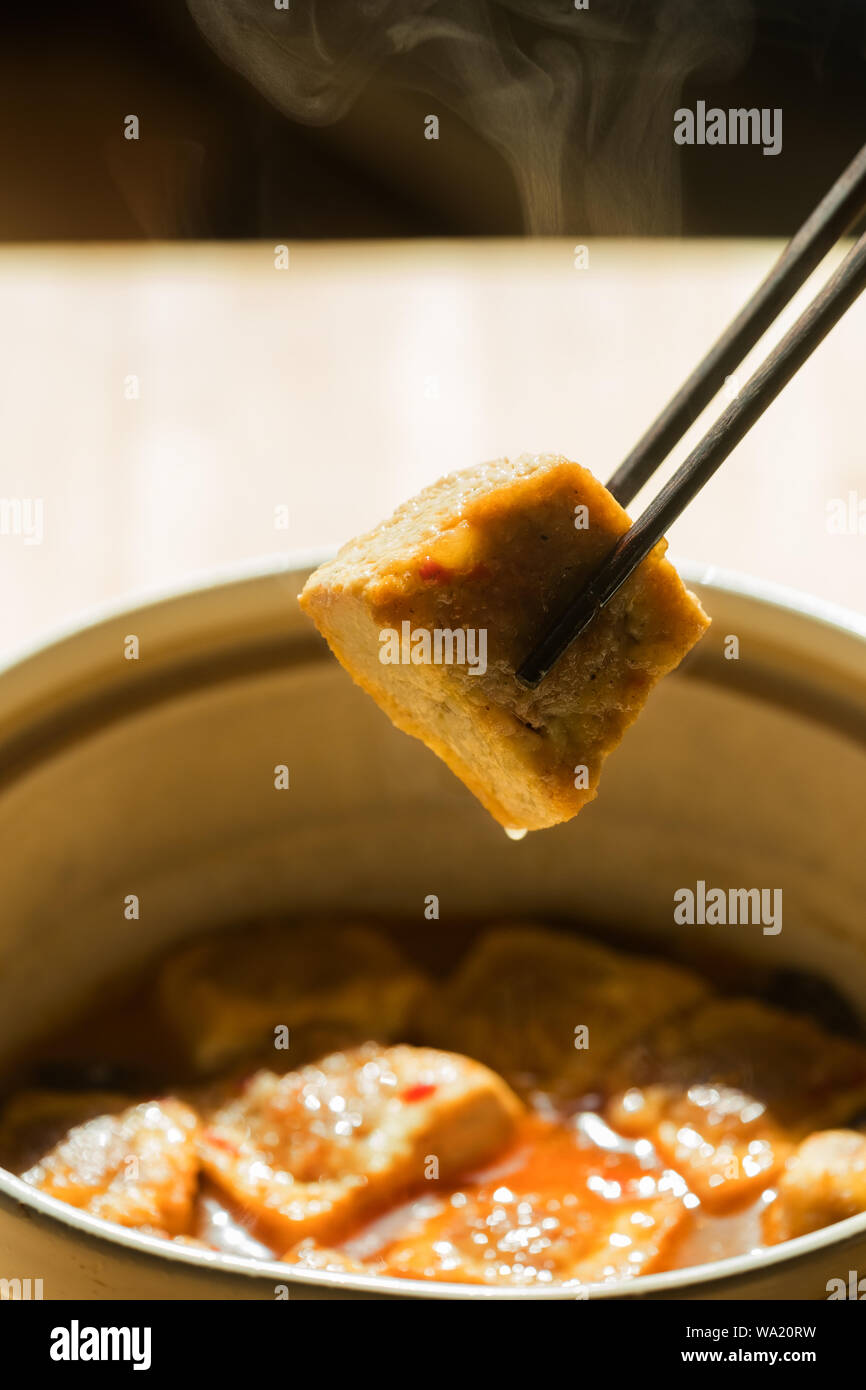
(544, 1111)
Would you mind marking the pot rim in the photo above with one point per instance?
(734, 582)
(696, 1278)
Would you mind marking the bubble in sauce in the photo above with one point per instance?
(514, 834)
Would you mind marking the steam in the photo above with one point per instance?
(579, 102)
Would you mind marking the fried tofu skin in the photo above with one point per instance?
(312, 1153)
(139, 1168)
(823, 1182)
(550, 1010)
(726, 1093)
(499, 550)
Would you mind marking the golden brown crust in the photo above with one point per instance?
(496, 550)
(748, 1079)
(559, 986)
(287, 1154)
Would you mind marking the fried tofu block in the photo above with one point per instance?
(524, 996)
(558, 1214)
(722, 1140)
(823, 1182)
(331, 986)
(433, 611)
(312, 1153)
(138, 1168)
(725, 1093)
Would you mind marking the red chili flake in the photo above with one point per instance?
(419, 1092)
(219, 1141)
(432, 570)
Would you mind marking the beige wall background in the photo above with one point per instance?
(324, 394)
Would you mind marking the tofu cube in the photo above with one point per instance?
(433, 611)
(314, 1152)
(331, 985)
(823, 1182)
(551, 1010)
(138, 1168)
(556, 1213)
(726, 1093)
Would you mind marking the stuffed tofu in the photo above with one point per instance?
(433, 611)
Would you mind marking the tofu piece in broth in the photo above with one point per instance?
(725, 1093)
(824, 1181)
(550, 1010)
(554, 1211)
(330, 986)
(137, 1168)
(313, 1152)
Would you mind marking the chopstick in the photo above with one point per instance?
(807, 248)
(841, 206)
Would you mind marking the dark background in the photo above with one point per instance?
(220, 162)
